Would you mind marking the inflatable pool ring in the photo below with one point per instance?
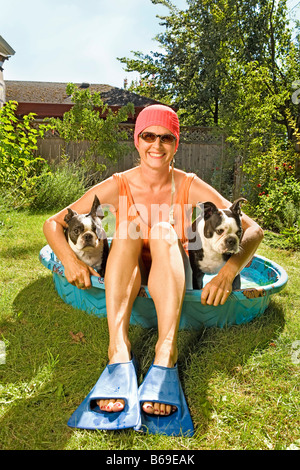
(260, 279)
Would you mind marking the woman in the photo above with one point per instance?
(152, 246)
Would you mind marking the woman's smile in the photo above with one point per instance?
(156, 155)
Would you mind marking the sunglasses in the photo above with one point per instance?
(150, 137)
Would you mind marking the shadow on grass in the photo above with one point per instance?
(50, 369)
(17, 252)
(47, 372)
(224, 352)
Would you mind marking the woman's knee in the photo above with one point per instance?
(164, 232)
(165, 246)
(127, 239)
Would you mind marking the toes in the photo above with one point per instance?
(159, 409)
(118, 405)
(148, 408)
(115, 405)
(111, 405)
(102, 404)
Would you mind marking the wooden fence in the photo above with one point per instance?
(201, 150)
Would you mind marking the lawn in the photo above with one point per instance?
(241, 383)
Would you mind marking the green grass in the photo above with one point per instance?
(241, 383)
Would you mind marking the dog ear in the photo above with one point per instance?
(96, 210)
(69, 215)
(209, 209)
(235, 208)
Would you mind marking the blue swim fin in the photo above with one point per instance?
(162, 385)
(116, 381)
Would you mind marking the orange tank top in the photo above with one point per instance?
(127, 212)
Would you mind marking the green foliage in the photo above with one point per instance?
(276, 197)
(279, 205)
(59, 187)
(27, 180)
(254, 123)
(289, 239)
(200, 46)
(84, 123)
(270, 169)
(20, 166)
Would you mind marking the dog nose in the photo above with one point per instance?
(231, 242)
(88, 237)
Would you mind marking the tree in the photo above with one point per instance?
(84, 123)
(201, 46)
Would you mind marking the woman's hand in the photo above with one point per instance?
(79, 274)
(217, 291)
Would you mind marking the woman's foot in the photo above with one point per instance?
(113, 405)
(164, 358)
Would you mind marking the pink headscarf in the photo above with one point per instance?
(157, 115)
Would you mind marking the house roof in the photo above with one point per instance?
(51, 92)
(5, 49)
(48, 99)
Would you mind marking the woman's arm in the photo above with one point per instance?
(76, 271)
(219, 288)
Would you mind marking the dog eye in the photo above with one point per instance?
(220, 231)
(76, 231)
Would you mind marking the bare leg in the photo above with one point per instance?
(166, 285)
(122, 284)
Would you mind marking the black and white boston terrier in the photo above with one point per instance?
(87, 238)
(215, 236)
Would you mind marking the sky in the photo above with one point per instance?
(79, 40)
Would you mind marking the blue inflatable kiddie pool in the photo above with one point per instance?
(259, 280)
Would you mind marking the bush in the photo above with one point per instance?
(279, 204)
(20, 166)
(273, 190)
(60, 187)
(289, 239)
